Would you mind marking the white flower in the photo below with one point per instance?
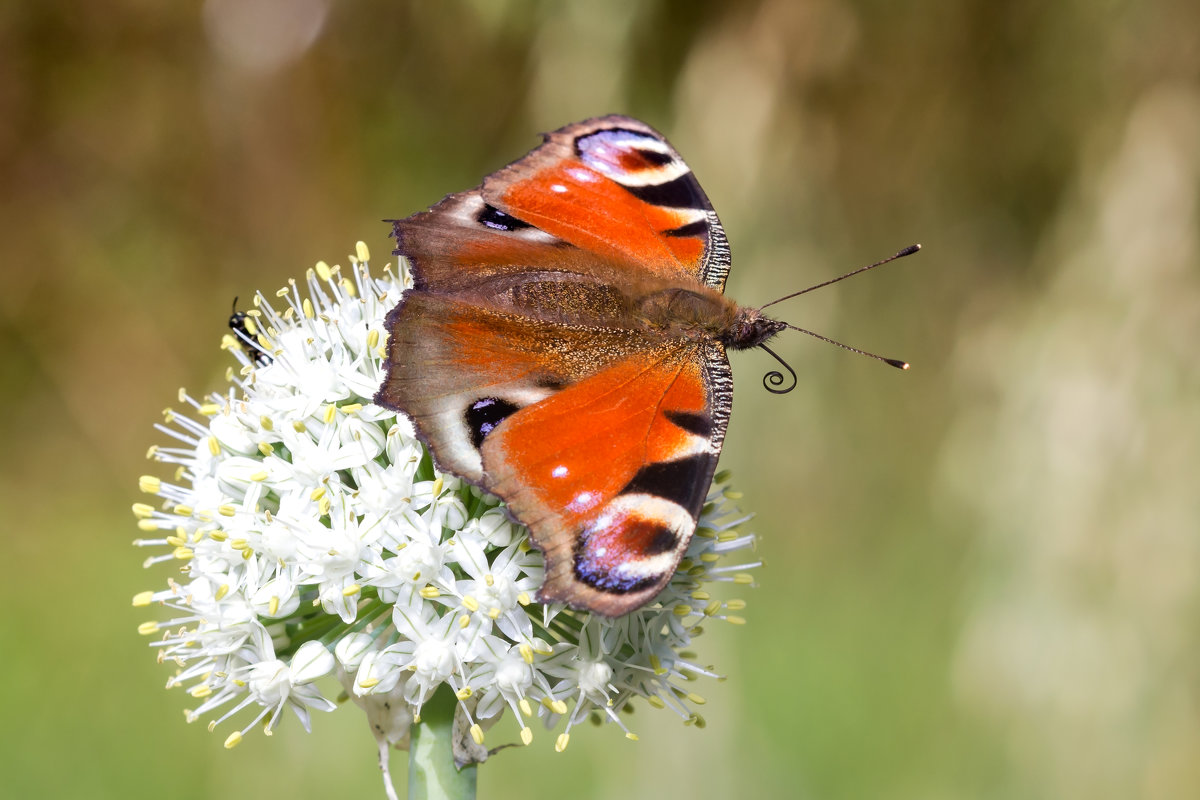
(314, 537)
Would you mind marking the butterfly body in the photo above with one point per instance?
(563, 347)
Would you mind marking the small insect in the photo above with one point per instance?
(245, 329)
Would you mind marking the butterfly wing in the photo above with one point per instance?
(615, 187)
(611, 473)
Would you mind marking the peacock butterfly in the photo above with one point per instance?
(563, 347)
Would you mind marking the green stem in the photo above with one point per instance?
(431, 771)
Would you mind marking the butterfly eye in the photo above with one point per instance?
(484, 415)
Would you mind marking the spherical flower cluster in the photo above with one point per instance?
(310, 535)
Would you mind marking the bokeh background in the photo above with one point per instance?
(981, 575)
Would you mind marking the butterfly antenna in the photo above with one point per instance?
(894, 362)
(774, 379)
(234, 309)
(908, 251)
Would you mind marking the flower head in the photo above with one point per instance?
(313, 537)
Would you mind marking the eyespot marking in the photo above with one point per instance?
(483, 415)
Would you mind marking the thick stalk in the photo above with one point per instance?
(431, 771)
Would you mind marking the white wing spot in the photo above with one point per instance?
(559, 472)
(557, 187)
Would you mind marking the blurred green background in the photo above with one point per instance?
(981, 575)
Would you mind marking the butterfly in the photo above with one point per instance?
(564, 347)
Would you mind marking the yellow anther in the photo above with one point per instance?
(330, 413)
(143, 599)
(372, 339)
(732, 620)
(656, 665)
(722, 476)
(494, 613)
(631, 736)
(265, 448)
(464, 621)
(489, 579)
(349, 287)
(299, 427)
(430, 592)
(239, 544)
(323, 271)
(142, 510)
(148, 628)
(438, 483)
(682, 610)
(558, 707)
(524, 599)
(222, 590)
(200, 691)
(477, 733)
(183, 553)
(656, 701)
(317, 493)
(214, 446)
(218, 535)
(307, 308)
(259, 477)
(695, 698)
(233, 740)
(352, 408)
(210, 409)
(177, 541)
(526, 653)
(367, 683)
(282, 292)
(273, 606)
(526, 736)
(149, 484)
(525, 706)
(360, 249)
(743, 579)
(226, 510)
(183, 510)
(709, 558)
(323, 505)
(731, 495)
(463, 693)
(470, 603)
(712, 608)
(147, 525)
(351, 590)
(561, 742)
(735, 605)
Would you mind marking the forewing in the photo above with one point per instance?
(615, 187)
(610, 474)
